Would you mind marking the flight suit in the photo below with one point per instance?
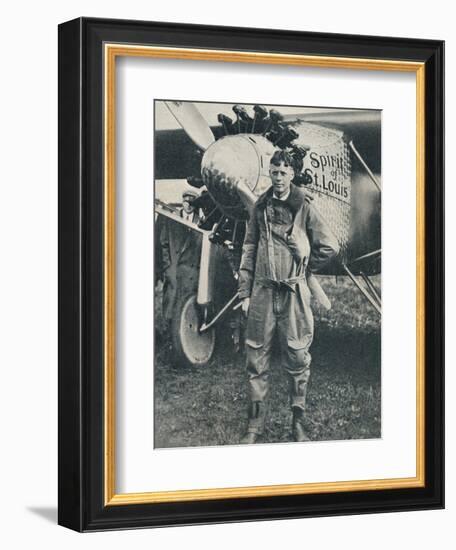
(284, 240)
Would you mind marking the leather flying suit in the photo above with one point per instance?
(284, 239)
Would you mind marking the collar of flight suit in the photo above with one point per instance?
(295, 199)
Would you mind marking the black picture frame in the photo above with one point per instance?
(81, 476)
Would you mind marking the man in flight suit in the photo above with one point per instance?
(286, 238)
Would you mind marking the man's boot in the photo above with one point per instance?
(256, 423)
(298, 430)
(249, 438)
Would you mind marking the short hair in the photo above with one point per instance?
(280, 156)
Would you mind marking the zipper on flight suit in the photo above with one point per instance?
(277, 302)
(270, 246)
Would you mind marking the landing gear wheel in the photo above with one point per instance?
(191, 347)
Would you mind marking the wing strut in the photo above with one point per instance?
(368, 291)
(368, 170)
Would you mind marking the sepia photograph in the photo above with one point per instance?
(267, 258)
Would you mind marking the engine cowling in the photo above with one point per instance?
(235, 167)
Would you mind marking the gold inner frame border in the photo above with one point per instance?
(110, 53)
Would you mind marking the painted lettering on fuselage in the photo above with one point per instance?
(327, 174)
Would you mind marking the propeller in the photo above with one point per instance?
(193, 123)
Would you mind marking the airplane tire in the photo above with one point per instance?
(191, 348)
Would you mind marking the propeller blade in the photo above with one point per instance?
(193, 122)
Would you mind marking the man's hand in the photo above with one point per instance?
(245, 306)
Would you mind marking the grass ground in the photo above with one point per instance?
(208, 406)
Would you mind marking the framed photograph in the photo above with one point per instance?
(251, 282)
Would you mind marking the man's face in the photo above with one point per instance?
(281, 177)
(187, 203)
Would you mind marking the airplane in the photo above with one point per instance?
(337, 160)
